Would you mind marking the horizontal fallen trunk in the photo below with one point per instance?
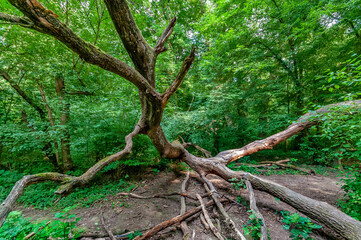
(322, 212)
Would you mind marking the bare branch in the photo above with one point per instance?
(18, 189)
(159, 47)
(47, 22)
(183, 224)
(91, 172)
(179, 79)
(211, 189)
(306, 121)
(68, 183)
(17, 20)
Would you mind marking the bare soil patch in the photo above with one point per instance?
(124, 214)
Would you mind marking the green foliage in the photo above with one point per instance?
(134, 235)
(253, 227)
(63, 227)
(338, 138)
(42, 195)
(351, 202)
(300, 227)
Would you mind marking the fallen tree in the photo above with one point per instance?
(153, 103)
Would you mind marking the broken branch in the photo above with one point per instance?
(183, 224)
(308, 120)
(179, 79)
(159, 47)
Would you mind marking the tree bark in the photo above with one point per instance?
(39, 18)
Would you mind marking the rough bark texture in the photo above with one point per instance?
(39, 18)
(9, 203)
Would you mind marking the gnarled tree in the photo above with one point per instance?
(153, 103)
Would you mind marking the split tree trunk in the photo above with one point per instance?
(153, 104)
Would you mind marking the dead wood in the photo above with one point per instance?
(184, 226)
(215, 196)
(37, 17)
(204, 222)
(268, 164)
(175, 220)
(208, 219)
(160, 195)
(255, 211)
(32, 234)
(110, 234)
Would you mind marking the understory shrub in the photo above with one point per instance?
(63, 227)
(351, 201)
(299, 227)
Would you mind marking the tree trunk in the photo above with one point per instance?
(67, 161)
(153, 103)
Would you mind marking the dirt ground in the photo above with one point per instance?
(122, 214)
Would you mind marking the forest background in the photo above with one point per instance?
(259, 65)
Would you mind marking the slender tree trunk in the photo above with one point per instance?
(67, 161)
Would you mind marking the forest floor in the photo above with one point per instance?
(123, 214)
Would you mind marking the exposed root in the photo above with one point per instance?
(161, 195)
(175, 220)
(110, 234)
(184, 226)
(208, 219)
(254, 208)
(215, 196)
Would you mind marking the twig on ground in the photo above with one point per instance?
(161, 195)
(203, 221)
(32, 234)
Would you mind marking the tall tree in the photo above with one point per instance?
(153, 103)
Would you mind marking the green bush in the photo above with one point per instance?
(300, 227)
(63, 227)
(351, 203)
